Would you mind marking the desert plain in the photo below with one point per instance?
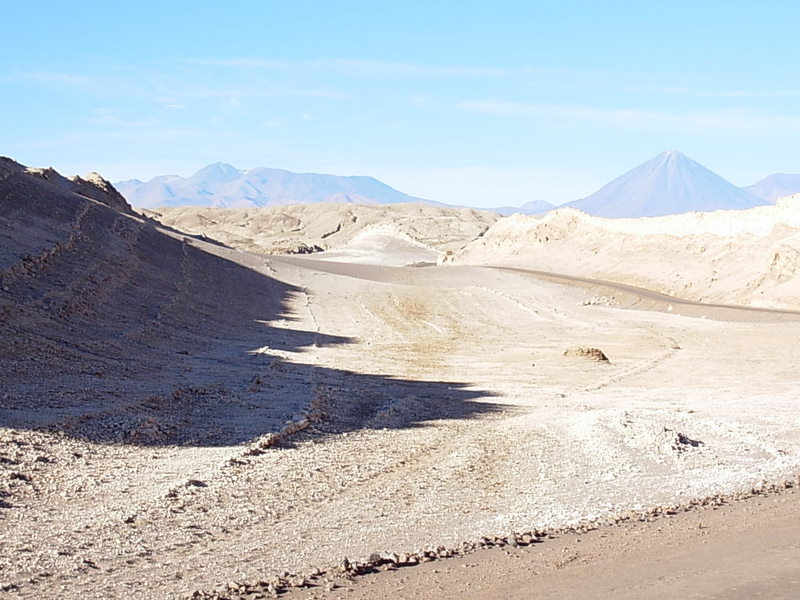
(188, 410)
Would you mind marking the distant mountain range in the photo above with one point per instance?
(671, 183)
(535, 207)
(223, 185)
(775, 186)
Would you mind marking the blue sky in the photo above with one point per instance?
(480, 103)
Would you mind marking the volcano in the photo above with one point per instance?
(671, 183)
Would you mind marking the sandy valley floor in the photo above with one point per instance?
(450, 412)
(265, 414)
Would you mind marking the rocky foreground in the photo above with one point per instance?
(346, 575)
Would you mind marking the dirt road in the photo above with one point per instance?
(742, 550)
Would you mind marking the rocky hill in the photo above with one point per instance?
(95, 299)
(91, 186)
(749, 257)
(305, 228)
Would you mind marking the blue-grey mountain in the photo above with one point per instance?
(223, 185)
(534, 207)
(775, 186)
(671, 183)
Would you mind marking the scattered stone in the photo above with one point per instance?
(588, 353)
(685, 440)
(598, 301)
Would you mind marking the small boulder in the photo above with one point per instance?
(588, 353)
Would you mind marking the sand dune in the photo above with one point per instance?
(176, 415)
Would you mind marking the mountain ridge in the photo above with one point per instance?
(669, 183)
(222, 185)
(534, 207)
(774, 186)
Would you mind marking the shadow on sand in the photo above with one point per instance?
(116, 331)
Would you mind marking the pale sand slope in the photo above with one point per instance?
(148, 370)
(749, 257)
(383, 244)
(304, 227)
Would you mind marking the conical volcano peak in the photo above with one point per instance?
(674, 155)
(673, 158)
(667, 184)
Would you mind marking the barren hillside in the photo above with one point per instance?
(749, 257)
(304, 228)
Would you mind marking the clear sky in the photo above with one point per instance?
(479, 103)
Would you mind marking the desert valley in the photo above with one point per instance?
(247, 402)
